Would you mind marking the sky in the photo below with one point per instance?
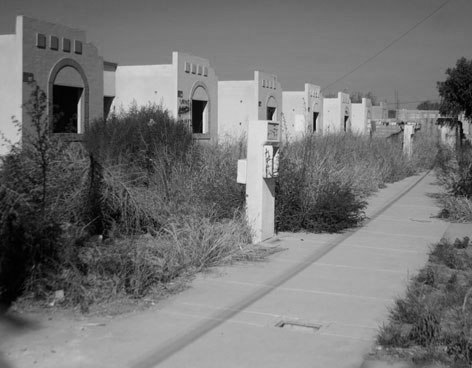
(301, 41)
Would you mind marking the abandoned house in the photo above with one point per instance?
(187, 88)
(337, 114)
(302, 112)
(78, 84)
(361, 117)
(242, 101)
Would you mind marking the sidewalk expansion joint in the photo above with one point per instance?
(174, 345)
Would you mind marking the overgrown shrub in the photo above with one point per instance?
(454, 171)
(324, 179)
(163, 204)
(436, 313)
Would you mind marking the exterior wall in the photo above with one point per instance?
(417, 115)
(294, 115)
(10, 89)
(172, 86)
(334, 110)
(449, 136)
(146, 84)
(298, 109)
(268, 87)
(42, 64)
(242, 101)
(109, 79)
(361, 116)
(380, 112)
(236, 107)
(194, 72)
(35, 56)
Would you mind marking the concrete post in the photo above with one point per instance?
(408, 133)
(258, 172)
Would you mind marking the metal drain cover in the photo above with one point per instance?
(299, 326)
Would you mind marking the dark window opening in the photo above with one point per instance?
(315, 120)
(346, 118)
(78, 47)
(107, 102)
(270, 113)
(198, 112)
(41, 41)
(66, 108)
(65, 45)
(54, 43)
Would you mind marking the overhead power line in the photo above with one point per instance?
(390, 44)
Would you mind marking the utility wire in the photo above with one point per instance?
(390, 44)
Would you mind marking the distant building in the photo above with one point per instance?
(242, 101)
(361, 117)
(337, 114)
(380, 112)
(302, 112)
(416, 116)
(187, 88)
(78, 84)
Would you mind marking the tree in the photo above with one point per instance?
(428, 105)
(456, 90)
(357, 96)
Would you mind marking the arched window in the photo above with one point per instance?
(68, 96)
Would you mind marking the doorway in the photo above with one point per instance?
(67, 109)
(199, 116)
(271, 109)
(270, 113)
(200, 111)
(315, 120)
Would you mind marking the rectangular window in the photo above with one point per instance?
(65, 45)
(78, 47)
(200, 70)
(54, 43)
(205, 71)
(194, 69)
(187, 67)
(41, 41)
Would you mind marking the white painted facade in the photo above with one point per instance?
(361, 116)
(187, 88)
(242, 101)
(337, 114)
(68, 69)
(302, 112)
(380, 112)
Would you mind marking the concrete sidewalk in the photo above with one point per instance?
(317, 304)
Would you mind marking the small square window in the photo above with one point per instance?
(54, 43)
(65, 45)
(187, 67)
(194, 69)
(205, 71)
(78, 47)
(200, 70)
(41, 41)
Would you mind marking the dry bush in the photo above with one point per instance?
(336, 173)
